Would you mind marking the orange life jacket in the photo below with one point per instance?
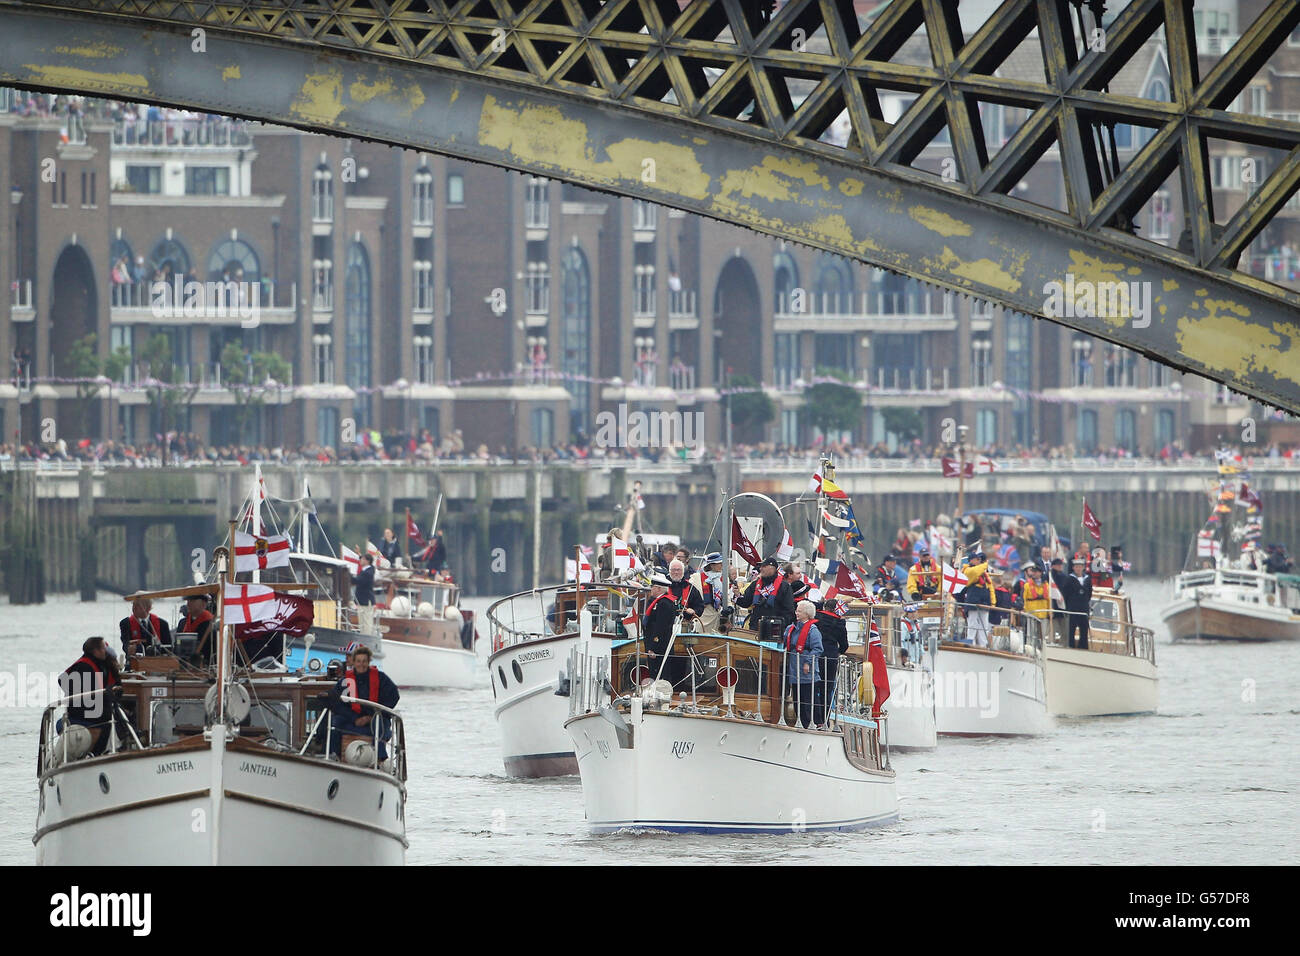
(802, 640)
(137, 632)
(109, 677)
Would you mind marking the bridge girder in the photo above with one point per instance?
(640, 99)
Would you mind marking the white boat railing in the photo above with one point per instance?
(114, 718)
(530, 615)
(383, 733)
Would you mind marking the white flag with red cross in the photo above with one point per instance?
(954, 581)
(246, 603)
(259, 552)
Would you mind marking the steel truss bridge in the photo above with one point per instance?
(721, 107)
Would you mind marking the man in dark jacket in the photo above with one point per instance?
(142, 631)
(365, 589)
(769, 600)
(687, 595)
(1076, 589)
(389, 547)
(835, 643)
(363, 683)
(90, 681)
(657, 630)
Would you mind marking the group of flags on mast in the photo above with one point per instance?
(952, 468)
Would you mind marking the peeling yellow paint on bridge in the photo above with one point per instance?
(98, 51)
(320, 99)
(1222, 340)
(543, 135)
(232, 73)
(985, 272)
(75, 78)
(940, 222)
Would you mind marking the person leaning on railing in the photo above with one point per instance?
(92, 682)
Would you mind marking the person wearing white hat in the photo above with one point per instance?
(657, 623)
(708, 581)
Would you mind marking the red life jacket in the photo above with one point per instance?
(927, 577)
(137, 632)
(372, 691)
(191, 625)
(802, 640)
(109, 677)
(769, 590)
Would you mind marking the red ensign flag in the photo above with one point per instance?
(1090, 522)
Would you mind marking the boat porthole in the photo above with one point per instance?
(502, 674)
(722, 740)
(332, 790)
(381, 799)
(103, 782)
(314, 665)
(518, 671)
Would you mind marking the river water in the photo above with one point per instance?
(1213, 778)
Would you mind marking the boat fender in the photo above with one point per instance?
(238, 704)
(425, 610)
(866, 689)
(400, 606)
(453, 614)
(73, 744)
(359, 753)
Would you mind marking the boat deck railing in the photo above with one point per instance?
(1106, 635)
(115, 722)
(387, 732)
(690, 680)
(530, 615)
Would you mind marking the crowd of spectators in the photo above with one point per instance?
(178, 449)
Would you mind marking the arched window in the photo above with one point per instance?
(233, 260)
(575, 333)
(785, 278)
(1085, 439)
(1126, 429)
(169, 256)
(357, 324)
(834, 285)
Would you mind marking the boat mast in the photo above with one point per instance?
(257, 514)
(216, 731)
(306, 518)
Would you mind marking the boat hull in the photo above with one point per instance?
(156, 808)
(531, 717)
(699, 774)
(1222, 620)
(981, 692)
(1095, 684)
(910, 708)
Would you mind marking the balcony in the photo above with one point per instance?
(265, 302)
(682, 310)
(203, 377)
(422, 292)
(422, 211)
(681, 378)
(537, 215)
(645, 220)
(913, 310)
(21, 305)
(322, 212)
(191, 132)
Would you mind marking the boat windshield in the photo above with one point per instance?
(1104, 615)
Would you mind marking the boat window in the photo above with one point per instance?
(439, 600)
(1104, 616)
(171, 720)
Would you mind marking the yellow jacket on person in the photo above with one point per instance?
(916, 575)
(1038, 598)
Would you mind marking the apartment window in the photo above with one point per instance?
(1164, 430)
(455, 189)
(1162, 215)
(423, 295)
(63, 189)
(537, 289)
(207, 180)
(1085, 438)
(323, 359)
(1225, 172)
(643, 290)
(87, 189)
(1162, 376)
(981, 362)
(144, 179)
(327, 428)
(1126, 429)
(790, 427)
(423, 345)
(322, 284)
(644, 215)
(986, 428)
(543, 427)
(1257, 98)
(322, 194)
(537, 207)
(422, 197)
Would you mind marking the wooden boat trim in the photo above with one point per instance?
(316, 814)
(123, 808)
(968, 649)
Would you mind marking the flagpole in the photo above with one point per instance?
(257, 517)
(406, 538)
